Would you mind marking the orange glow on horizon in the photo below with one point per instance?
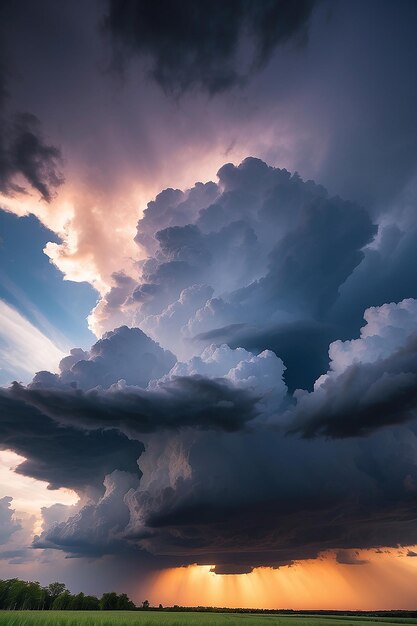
(387, 581)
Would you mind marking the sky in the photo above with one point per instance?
(208, 300)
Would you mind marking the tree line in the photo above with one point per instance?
(16, 594)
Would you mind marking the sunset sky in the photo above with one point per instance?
(208, 300)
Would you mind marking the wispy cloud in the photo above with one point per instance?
(24, 349)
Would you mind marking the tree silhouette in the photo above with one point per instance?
(55, 589)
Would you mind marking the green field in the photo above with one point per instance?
(145, 618)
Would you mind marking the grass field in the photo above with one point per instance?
(121, 618)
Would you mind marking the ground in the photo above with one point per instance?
(149, 618)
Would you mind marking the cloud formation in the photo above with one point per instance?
(242, 501)
(193, 402)
(125, 353)
(191, 44)
(24, 349)
(24, 153)
(8, 523)
(95, 529)
(234, 441)
(372, 380)
(217, 254)
(63, 457)
(234, 452)
(222, 389)
(196, 492)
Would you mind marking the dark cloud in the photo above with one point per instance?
(259, 507)
(363, 398)
(95, 529)
(208, 491)
(346, 557)
(387, 273)
(106, 388)
(247, 500)
(184, 402)
(195, 44)
(63, 457)
(303, 347)
(24, 152)
(310, 264)
(221, 335)
(234, 470)
(225, 569)
(91, 395)
(260, 260)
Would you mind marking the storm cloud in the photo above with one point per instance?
(193, 402)
(196, 44)
(249, 398)
(63, 457)
(24, 153)
(259, 239)
(216, 435)
(372, 380)
(242, 501)
(244, 498)
(222, 389)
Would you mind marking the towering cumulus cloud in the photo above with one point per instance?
(210, 427)
(257, 252)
